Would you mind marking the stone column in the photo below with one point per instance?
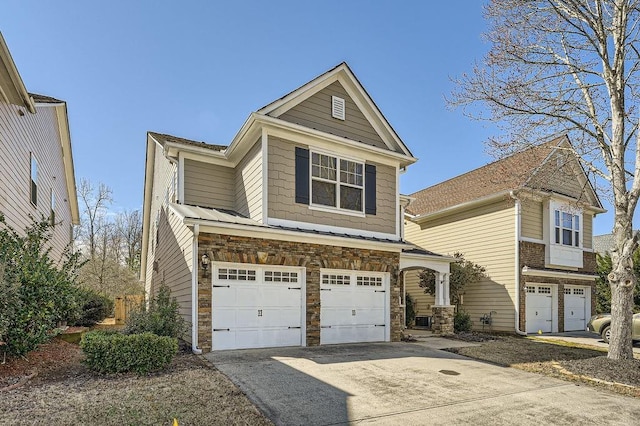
(442, 320)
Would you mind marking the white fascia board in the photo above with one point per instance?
(67, 160)
(146, 208)
(18, 85)
(291, 130)
(566, 198)
(463, 206)
(263, 232)
(557, 274)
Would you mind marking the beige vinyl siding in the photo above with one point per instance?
(422, 302)
(315, 113)
(587, 229)
(208, 185)
(161, 192)
(174, 257)
(531, 221)
(248, 184)
(282, 205)
(486, 236)
(561, 180)
(38, 134)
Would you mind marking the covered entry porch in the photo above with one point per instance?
(439, 310)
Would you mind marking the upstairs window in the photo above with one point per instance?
(567, 228)
(34, 180)
(336, 182)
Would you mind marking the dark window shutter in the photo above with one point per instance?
(302, 175)
(370, 189)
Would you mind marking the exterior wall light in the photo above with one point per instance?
(204, 262)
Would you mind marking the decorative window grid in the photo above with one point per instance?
(369, 281)
(567, 291)
(236, 274)
(336, 279)
(544, 290)
(578, 291)
(280, 277)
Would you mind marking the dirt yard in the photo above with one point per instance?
(559, 359)
(64, 392)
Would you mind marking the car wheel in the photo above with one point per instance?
(606, 334)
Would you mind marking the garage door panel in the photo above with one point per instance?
(539, 308)
(575, 308)
(254, 313)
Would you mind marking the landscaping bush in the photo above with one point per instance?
(92, 307)
(36, 293)
(461, 322)
(161, 318)
(410, 311)
(112, 352)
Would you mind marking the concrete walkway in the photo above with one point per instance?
(412, 384)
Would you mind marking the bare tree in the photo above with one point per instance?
(94, 201)
(129, 225)
(571, 65)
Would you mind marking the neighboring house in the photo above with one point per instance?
(292, 234)
(603, 244)
(36, 164)
(528, 219)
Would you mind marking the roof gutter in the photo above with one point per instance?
(518, 216)
(450, 210)
(14, 75)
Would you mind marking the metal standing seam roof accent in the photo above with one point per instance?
(232, 217)
(506, 174)
(161, 137)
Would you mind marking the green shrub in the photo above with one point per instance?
(410, 312)
(112, 352)
(461, 322)
(36, 293)
(92, 306)
(161, 318)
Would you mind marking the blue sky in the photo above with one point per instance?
(196, 69)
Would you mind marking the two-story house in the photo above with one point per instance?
(292, 234)
(527, 219)
(36, 165)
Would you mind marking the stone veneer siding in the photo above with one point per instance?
(533, 256)
(227, 248)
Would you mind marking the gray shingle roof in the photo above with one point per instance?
(44, 99)
(161, 137)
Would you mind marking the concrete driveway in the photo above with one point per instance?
(412, 384)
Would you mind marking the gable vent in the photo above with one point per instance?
(337, 107)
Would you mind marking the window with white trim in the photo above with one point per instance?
(280, 277)
(567, 228)
(567, 291)
(544, 290)
(337, 182)
(578, 291)
(369, 281)
(34, 180)
(336, 279)
(236, 274)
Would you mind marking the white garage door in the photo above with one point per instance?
(353, 307)
(539, 308)
(257, 307)
(577, 308)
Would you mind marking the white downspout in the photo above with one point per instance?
(194, 293)
(517, 268)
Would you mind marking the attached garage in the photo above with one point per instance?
(257, 307)
(354, 306)
(541, 308)
(577, 307)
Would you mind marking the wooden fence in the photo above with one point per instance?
(126, 304)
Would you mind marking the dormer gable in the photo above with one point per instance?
(336, 103)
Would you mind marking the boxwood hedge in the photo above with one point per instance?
(109, 352)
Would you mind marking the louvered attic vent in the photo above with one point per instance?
(337, 107)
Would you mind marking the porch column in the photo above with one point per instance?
(439, 289)
(445, 284)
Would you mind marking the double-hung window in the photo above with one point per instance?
(337, 182)
(567, 228)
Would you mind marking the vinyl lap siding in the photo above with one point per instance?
(208, 185)
(587, 229)
(248, 184)
(19, 136)
(485, 235)
(422, 302)
(282, 205)
(315, 113)
(173, 254)
(531, 221)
